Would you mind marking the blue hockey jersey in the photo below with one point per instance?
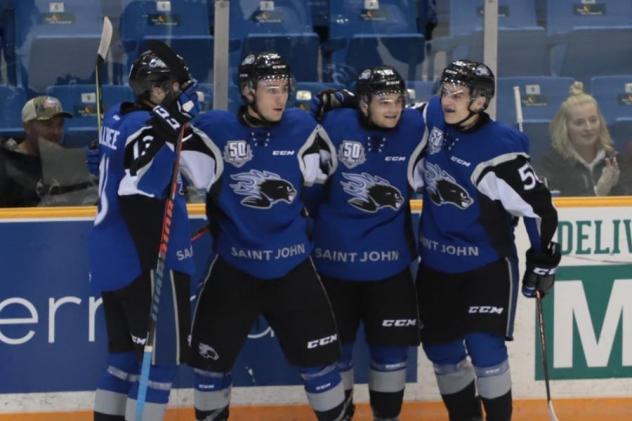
(135, 169)
(255, 209)
(363, 229)
(475, 184)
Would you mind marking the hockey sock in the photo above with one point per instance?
(498, 409)
(115, 383)
(463, 405)
(455, 378)
(494, 386)
(489, 355)
(211, 395)
(325, 392)
(387, 380)
(159, 387)
(345, 366)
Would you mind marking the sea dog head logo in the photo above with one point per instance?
(262, 189)
(443, 188)
(371, 192)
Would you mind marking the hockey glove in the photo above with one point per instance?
(188, 103)
(540, 273)
(329, 99)
(170, 117)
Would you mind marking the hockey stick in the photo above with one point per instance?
(518, 105)
(199, 233)
(545, 365)
(102, 52)
(148, 349)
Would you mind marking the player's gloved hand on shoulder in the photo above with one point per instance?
(329, 99)
(188, 103)
(540, 273)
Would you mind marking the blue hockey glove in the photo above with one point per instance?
(329, 99)
(92, 160)
(188, 104)
(540, 273)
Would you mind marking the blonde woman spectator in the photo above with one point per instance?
(582, 160)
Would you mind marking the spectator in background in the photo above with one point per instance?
(20, 161)
(582, 160)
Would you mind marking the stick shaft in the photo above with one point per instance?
(143, 382)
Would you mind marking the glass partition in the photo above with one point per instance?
(546, 48)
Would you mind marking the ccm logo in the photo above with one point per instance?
(282, 153)
(544, 271)
(486, 310)
(399, 322)
(395, 158)
(322, 341)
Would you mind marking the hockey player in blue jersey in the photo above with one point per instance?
(271, 155)
(137, 154)
(363, 236)
(477, 181)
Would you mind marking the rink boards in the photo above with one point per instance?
(52, 335)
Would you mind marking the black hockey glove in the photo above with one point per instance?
(329, 99)
(540, 273)
(169, 118)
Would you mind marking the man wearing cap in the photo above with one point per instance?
(20, 162)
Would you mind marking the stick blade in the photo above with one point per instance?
(106, 39)
(171, 59)
(552, 414)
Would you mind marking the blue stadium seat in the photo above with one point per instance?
(614, 96)
(183, 24)
(80, 101)
(567, 15)
(541, 98)
(301, 51)
(206, 99)
(349, 17)
(113, 94)
(234, 98)
(12, 99)
(521, 51)
(319, 10)
(305, 91)
(385, 34)
(587, 52)
(467, 16)
(53, 40)
(7, 39)
(420, 90)
(284, 26)
(405, 52)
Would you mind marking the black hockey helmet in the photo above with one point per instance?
(149, 70)
(265, 65)
(379, 79)
(476, 76)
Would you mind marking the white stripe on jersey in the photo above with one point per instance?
(202, 168)
(311, 164)
(498, 189)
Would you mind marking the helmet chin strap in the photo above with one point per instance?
(459, 124)
(259, 119)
